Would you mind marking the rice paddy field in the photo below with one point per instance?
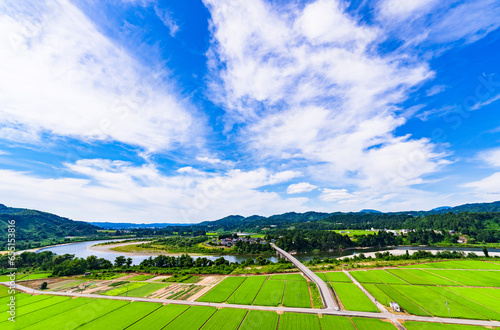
(289, 290)
(470, 291)
(141, 277)
(59, 312)
(25, 277)
(353, 298)
(124, 289)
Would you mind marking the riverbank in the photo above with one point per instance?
(412, 251)
(115, 248)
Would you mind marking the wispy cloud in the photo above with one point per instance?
(330, 195)
(166, 17)
(80, 84)
(490, 157)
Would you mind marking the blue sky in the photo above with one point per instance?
(183, 111)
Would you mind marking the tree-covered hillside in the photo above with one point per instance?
(35, 226)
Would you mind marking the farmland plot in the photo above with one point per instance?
(338, 277)
(379, 295)
(492, 314)
(192, 319)
(296, 321)
(436, 303)
(370, 324)
(26, 320)
(159, 318)
(297, 292)
(226, 318)
(261, 320)
(26, 300)
(76, 317)
(271, 294)
(336, 322)
(462, 264)
(146, 290)
(403, 301)
(123, 289)
(141, 277)
(363, 276)
(35, 306)
(434, 278)
(478, 296)
(247, 291)
(386, 277)
(407, 276)
(122, 317)
(288, 277)
(353, 298)
(457, 276)
(223, 290)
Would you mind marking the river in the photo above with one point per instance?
(81, 250)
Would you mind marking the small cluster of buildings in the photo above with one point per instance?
(228, 242)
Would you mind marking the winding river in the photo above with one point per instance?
(81, 250)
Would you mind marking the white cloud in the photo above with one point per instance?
(308, 93)
(300, 187)
(434, 90)
(419, 22)
(488, 188)
(324, 21)
(491, 157)
(81, 84)
(330, 195)
(215, 161)
(479, 105)
(166, 17)
(477, 19)
(397, 9)
(119, 191)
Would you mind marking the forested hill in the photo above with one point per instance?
(32, 225)
(478, 207)
(237, 221)
(380, 219)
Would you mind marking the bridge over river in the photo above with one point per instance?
(326, 294)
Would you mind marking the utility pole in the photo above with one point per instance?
(447, 306)
(298, 296)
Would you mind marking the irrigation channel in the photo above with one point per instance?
(81, 250)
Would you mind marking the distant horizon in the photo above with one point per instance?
(247, 216)
(195, 109)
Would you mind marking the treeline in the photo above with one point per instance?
(60, 265)
(67, 264)
(308, 240)
(254, 248)
(480, 227)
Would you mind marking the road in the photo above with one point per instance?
(326, 294)
(323, 311)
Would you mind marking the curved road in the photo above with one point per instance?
(275, 309)
(326, 294)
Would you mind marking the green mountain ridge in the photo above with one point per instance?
(33, 225)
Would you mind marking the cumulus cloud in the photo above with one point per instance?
(300, 187)
(105, 190)
(61, 76)
(307, 92)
